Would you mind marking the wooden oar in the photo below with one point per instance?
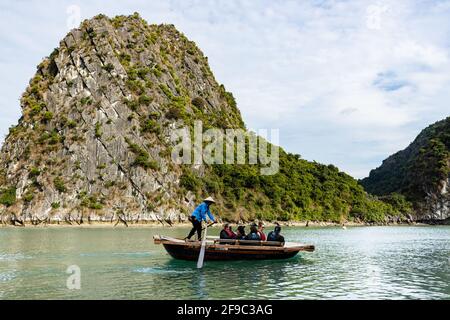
(201, 256)
(209, 225)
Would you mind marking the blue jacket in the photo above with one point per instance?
(201, 211)
(252, 236)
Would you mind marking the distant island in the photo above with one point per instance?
(421, 173)
(94, 145)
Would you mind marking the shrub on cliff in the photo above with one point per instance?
(199, 102)
(59, 185)
(8, 196)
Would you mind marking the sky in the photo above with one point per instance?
(347, 82)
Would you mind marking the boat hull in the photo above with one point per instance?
(218, 253)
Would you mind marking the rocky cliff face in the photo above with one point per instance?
(94, 143)
(96, 123)
(421, 172)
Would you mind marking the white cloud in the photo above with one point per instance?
(346, 82)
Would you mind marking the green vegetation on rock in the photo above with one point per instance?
(302, 190)
(59, 185)
(8, 196)
(419, 172)
(142, 157)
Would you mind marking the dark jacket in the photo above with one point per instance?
(241, 233)
(253, 236)
(273, 236)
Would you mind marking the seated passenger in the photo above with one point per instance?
(253, 235)
(261, 231)
(240, 235)
(275, 235)
(227, 233)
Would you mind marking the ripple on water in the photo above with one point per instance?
(160, 270)
(135, 254)
(13, 257)
(129, 254)
(7, 276)
(89, 254)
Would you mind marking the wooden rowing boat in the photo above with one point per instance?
(220, 249)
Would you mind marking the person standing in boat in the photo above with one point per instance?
(199, 215)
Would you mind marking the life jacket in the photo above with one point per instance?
(262, 236)
(227, 234)
(230, 234)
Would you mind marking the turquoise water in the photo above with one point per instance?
(357, 263)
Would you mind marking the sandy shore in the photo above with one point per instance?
(188, 224)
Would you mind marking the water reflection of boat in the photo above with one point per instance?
(220, 249)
